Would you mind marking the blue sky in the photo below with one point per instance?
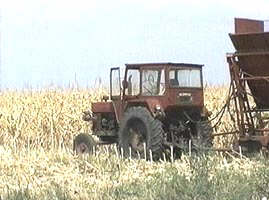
(58, 41)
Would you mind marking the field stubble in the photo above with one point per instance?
(36, 134)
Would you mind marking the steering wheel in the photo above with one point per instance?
(148, 90)
(148, 84)
(151, 79)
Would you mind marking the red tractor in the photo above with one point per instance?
(156, 106)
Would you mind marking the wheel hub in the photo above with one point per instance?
(82, 148)
(136, 140)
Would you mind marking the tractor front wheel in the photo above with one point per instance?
(83, 143)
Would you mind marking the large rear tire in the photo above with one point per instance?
(139, 131)
(83, 143)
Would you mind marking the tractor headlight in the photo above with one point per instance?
(158, 108)
(158, 111)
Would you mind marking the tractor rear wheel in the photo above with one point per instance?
(204, 134)
(83, 143)
(139, 131)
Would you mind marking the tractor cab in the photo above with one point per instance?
(171, 84)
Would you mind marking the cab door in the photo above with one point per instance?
(115, 85)
(115, 92)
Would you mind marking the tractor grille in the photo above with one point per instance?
(184, 98)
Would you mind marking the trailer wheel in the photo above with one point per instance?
(204, 134)
(139, 131)
(83, 143)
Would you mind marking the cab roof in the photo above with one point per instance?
(168, 64)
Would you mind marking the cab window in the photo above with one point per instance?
(185, 78)
(133, 80)
(153, 82)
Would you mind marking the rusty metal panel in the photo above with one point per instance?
(196, 97)
(252, 52)
(257, 66)
(251, 42)
(248, 25)
(161, 65)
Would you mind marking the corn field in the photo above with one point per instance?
(37, 162)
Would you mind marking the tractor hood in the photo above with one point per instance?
(102, 107)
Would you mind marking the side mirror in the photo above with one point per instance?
(105, 98)
(124, 84)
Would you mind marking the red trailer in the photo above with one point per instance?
(249, 71)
